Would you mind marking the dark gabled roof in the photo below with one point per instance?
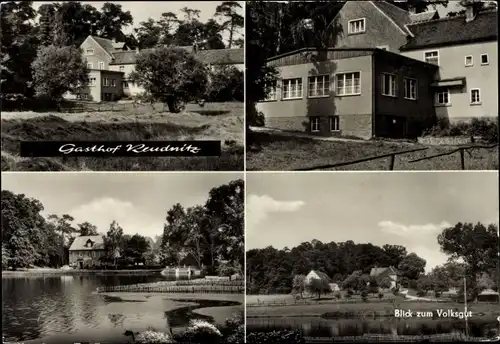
(453, 31)
(375, 272)
(398, 15)
(213, 56)
(79, 244)
(106, 44)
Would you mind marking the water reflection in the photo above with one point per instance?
(318, 327)
(40, 307)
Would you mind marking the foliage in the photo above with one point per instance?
(380, 296)
(153, 337)
(411, 266)
(200, 331)
(299, 284)
(418, 6)
(318, 286)
(226, 84)
(228, 10)
(87, 228)
(172, 76)
(478, 127)
(276, 337)
(58, 70)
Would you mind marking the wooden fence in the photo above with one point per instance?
(199, 289)
(460, 150)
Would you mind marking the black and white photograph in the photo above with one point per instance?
(372, 257)
(122, 71)
(122, 258)
(371, 85)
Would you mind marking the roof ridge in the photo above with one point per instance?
(461, 16)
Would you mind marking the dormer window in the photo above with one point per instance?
(356, 26)
(89, 52)
(89, 243)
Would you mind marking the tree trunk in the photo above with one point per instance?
(173, 105)
(231, 31)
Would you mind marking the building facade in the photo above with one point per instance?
(86, 251)
(388, 272)
(111, 63)
(390, 73)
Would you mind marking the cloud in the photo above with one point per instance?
(259, 207)
(102, 211)
(405, 230)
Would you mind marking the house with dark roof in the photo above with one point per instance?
(361, 91)
(387, 272)
(110, 64)
(86, 251)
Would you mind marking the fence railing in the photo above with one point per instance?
(173, 289)
(460, 150)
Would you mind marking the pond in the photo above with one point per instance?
(67, 309)
(320, 327)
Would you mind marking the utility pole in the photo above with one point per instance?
(465, 300)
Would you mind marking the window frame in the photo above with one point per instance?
(332, 120)
(289, 85)
(487, 59)
(325, 90)
(350, 32)
(113, 82)
(436, 98)
(312, 121)
(415, 87)
(471, 61)
(337, 75)
(92, 81)
(479, 102)
(105, 82)
(395, 95)
(431, 51)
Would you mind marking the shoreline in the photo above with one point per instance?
(58, 272)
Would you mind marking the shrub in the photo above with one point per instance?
(153, 337)
(200, 331)
(486, 129)
(380, 295)
(421, 293)
(226, 84)
(275, 337)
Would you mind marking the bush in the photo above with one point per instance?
(395, 291)
(486, 129)
(276, 337)
(153, 337)
(480, 127)
(200, 331)
(421, 293)
(226, 84)
(364, 295)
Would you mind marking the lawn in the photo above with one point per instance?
(274, 152)
(361, 309)
(213, 121)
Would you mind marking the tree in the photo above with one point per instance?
(58, 70)
(46, 22)
(172, 76)
(478, 6)
(475, 244)
(318, 286)
(113, 241)
(228, 10)
(148, 34)
(299, 284)
(112, 20)
(226, 84)
(193, 225)
(173, 238)
(136, 248)
(86, 228)
(412, 266)
(63, 226)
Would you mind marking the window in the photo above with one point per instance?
(314, 124)
(389, 85)
(475, 96)
(90, 65)
(348, 84)
(443, 98)
(334, 123)
(410, 89)
(124, 84)
(113, 82)
(122, 68)
(432, 57)
(92, 81)
(89, 52)
(292, 88)
(272, 92)
(484, 59)
(101, 65)
(319, 86)
(356, 26)
(105, 82)
(469, 61)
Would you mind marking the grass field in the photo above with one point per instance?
(214, 121)
(273, 152)
(361, 309)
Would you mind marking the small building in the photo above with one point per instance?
(387, 272)
(334, 287)
(360, 92)
(86, 251)
(488, 295)
(315, 274)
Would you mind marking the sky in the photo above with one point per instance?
(143, 10)
(409, 209)
(137, 201)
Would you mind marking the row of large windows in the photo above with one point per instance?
(346, 84)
